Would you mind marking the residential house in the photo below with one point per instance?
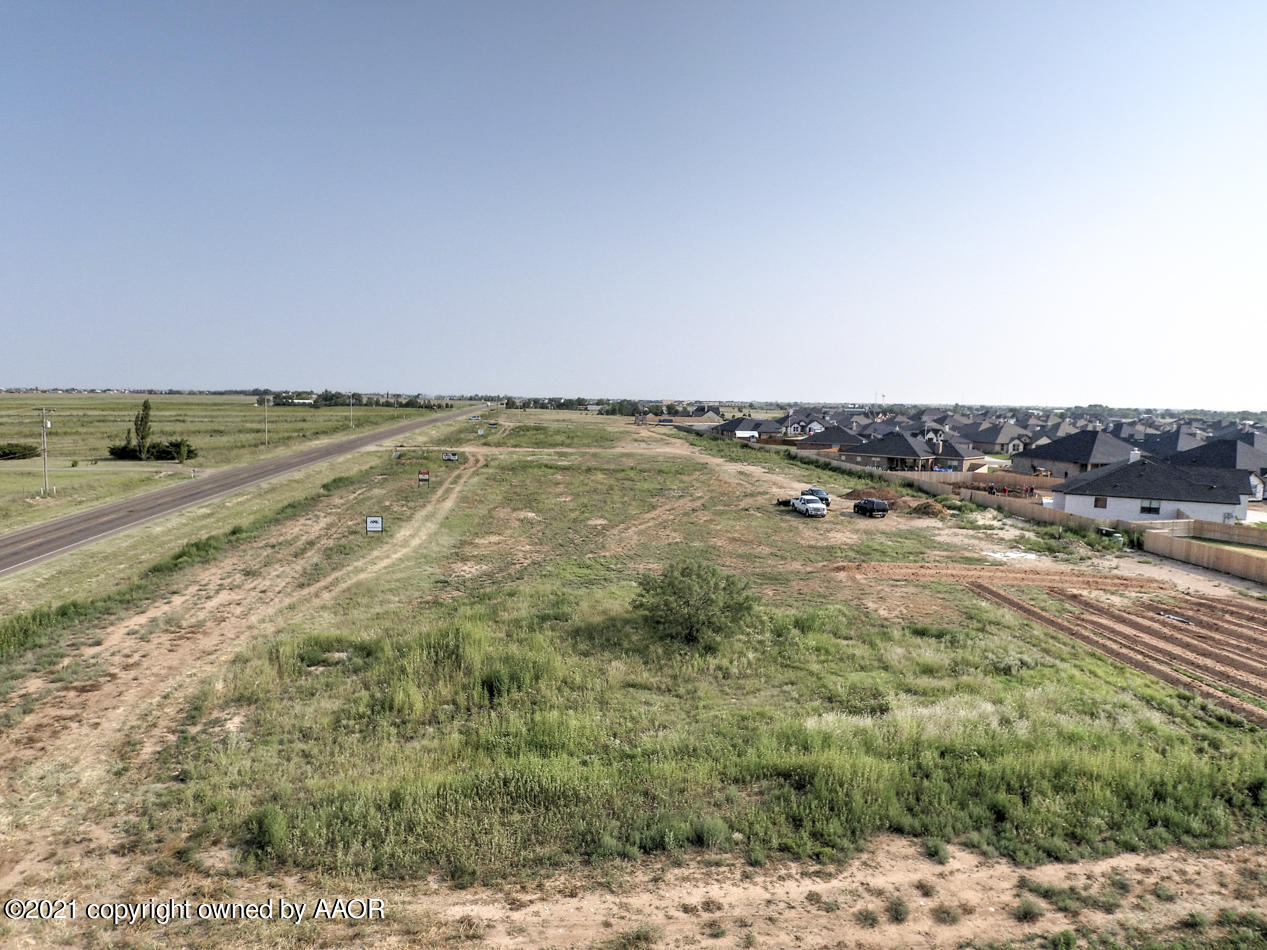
(957, 456)
(1165, 444)
(1000, 439)
(1148, 489)
(896, 451)
(746, 428)
(1230, 455)
(1073, 454)
(832, 437)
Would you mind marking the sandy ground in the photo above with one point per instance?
(64, 807)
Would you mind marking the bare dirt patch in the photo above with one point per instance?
(804, 906)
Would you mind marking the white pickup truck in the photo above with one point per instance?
(810, 506)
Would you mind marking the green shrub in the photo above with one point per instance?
(266, 831)
(947, 914)
(1028, 909)
(898, 909)
(937, 850)
(866, 917)
(1195, 921)
(695, 602)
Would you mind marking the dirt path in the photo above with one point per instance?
(55, 763)
(808, 907)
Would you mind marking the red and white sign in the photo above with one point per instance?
(424, 475)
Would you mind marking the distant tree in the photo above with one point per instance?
(144, 448)
(141, 428)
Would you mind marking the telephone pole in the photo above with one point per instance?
(267, 400)
(44, 424)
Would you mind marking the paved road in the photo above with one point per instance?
(42, 541)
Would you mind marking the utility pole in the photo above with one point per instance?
(267, 400)
(44, 424)
(350, 426)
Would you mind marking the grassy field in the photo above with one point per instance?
(227, 430)
(496, 710)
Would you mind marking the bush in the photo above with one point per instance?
(695, 602)
(947, 914)
(1028, 909)
(898, 909)
(18, 450)
(266, 831)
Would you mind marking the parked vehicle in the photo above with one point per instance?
(448, 456)
(871, 507)
(810, 506)
(1110, 533)
(819, 494)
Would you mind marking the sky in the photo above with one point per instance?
(1035, 203)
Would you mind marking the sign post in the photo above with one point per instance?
(374, 524)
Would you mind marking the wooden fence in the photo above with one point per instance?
(1243, 534)
(1237, 563)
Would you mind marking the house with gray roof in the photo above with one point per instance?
(957, 456)
(896, 452)
(1073, 454)
(1230, 455)
(1148, 489)
(746, 428)
(832, 437)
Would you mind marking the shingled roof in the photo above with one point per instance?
(833, 435)
(1225, 454)
(897, 445)
(1154, 478)
(1089, 448)
(959, 450)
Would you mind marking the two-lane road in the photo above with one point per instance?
(42, 541)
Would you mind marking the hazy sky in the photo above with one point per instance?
(1013, 202)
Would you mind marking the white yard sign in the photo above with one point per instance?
(373, 524)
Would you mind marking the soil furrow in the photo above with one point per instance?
(1128, 656)
(1211, 628)
(1250, 665)
(1242, 611)
(1145, 641)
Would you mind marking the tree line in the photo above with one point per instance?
(328, 397)
(139, 443)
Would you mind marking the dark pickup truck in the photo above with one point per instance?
(871, 507)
